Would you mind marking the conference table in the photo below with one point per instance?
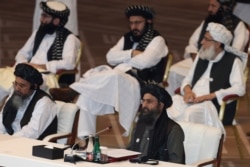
(17, 151)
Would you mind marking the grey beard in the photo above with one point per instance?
(207, 54)
(17, 101)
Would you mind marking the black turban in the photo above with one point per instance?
(160, 93)
(28, 73)
(228, 3)
(139, 10)
(56, 9)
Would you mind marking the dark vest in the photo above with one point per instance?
(154, 73)
(220, 74)
(158, 139)
(56, 49)
(52, 128)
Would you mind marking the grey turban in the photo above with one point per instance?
(220, 33)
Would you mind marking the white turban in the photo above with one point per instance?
(220, 33)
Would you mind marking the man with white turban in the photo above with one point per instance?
(217, 72)
(219, 11)
(50, 48)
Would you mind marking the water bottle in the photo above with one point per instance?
(97, 150)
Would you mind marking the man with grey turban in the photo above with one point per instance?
(217, 72)
(28, 111)
(50, 48)
(219, 11)
(155, 135)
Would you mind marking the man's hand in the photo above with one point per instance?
(135, 53)
(203, 98)
(193, 55)
(189, 95)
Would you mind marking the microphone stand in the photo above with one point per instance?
(72, 157)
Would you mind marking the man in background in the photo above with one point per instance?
(219, 11)
(72, 23)
(50, 48)
(28, 111)
(217, 72)
(138, 57)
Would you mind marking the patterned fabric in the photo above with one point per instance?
(56, 49)
(140, 10)
(227, 10)
(56, 9)
(146, 39)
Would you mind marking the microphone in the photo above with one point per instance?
(144, 160)
(71, 157)
(87, 137)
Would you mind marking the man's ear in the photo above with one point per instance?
(150, 21)
(161, 106)
(218, 45)
(56, 21)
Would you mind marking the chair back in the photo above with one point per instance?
(68, 115)
(167, 69)
(202, 142)
(76, 70)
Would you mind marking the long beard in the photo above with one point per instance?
(49, 28)
(207, 54)
(17, 101)
(147, 116)
(19, 98)
(215, 18)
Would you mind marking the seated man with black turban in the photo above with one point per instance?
(138, 57)
(50, 48)
(155, 135)
(28, 111)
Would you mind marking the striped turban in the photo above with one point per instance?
(56, 9)
(140, 10)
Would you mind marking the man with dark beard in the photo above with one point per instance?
(217, 72)
(219, 11)
(155, 135)
(28, 111)
(138, 57)
(50, 48)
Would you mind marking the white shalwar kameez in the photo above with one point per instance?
(70, 49)
(179, 70)
(205, 112)
(44, 113)
(103, 90)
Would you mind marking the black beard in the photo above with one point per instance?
(149, 117)
(137, 38)
(49, 28)
(215, 18)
